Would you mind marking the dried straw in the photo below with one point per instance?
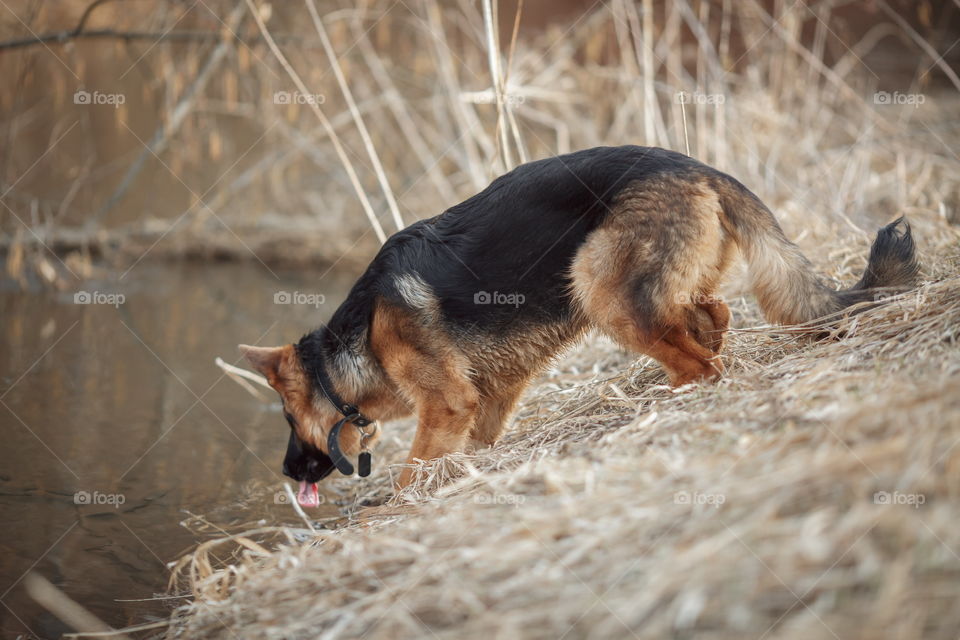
(810, 493)
(617, 506)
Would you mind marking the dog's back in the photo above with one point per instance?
(631, 240)
(503, 257)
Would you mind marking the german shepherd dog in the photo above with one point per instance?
(456, 314)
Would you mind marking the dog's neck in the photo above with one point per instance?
(340, 367)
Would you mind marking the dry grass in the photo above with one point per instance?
(615, 506)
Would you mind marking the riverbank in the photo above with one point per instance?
(811, 493)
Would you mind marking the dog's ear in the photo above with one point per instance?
(266, 360)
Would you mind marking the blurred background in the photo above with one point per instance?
(140, 120)
(178, 176)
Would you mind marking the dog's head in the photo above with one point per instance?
(310, 416)
(307, 465)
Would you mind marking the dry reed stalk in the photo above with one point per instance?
(68, 610)
(331, 132)
(401, 112)
(496, 80)
(701, 129)
(937, 58)
(651, 106)
(240, 376)
(355, 113)
(514, 128)
(470, 132)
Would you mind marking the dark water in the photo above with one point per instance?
(125, 405)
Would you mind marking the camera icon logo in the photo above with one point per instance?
(282, 297)
(281, 497)
(882, 97)
(482, 297)
(881, 497)
(82, 297)
(81, 97)
(282, 97)
(82, 497)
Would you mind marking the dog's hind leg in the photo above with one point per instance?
(708, 321)
(494, 412)
(683, 358)
(646, 275)
(683, 338)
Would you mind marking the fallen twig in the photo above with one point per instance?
(237, 375)
(66, 609)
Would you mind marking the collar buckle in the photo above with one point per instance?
(352, 415)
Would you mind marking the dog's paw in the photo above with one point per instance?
(701, 327)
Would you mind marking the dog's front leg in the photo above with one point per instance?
(445, 420)
(426, 365)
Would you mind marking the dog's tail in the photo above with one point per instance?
(786, 286)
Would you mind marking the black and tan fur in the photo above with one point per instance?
(629, 241)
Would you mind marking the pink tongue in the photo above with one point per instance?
(309, 494)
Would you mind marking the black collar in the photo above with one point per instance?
(350, 414)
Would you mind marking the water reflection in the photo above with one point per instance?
(123, 404)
